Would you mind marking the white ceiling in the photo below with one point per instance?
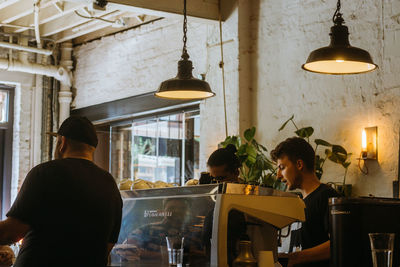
(81, 21)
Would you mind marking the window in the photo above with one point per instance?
(159, 148)
(3, 106)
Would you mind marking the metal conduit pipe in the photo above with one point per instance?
(65, 94)
(37, 96)
(36, 22)
(59, 73)
(26, 48)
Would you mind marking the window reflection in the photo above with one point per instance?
(3, 106)
(163, 148)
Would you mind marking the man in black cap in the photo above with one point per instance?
(68, 210)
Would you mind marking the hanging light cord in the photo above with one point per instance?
(337, 16)
(221, 65)
(184, 50)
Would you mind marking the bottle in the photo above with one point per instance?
(245, 258)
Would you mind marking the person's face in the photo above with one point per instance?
(222, 174)
(290, 172)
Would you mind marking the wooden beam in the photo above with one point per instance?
(86, 28)
(48, 14)
(7, 3)
(16, 11)
(65, 22)
(203, 9)
(21, 9)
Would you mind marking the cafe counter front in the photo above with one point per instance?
(206, 219)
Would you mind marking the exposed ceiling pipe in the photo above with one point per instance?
(36, 22)
(27, 48)
(58, 72)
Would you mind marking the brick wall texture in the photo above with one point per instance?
(280, 37)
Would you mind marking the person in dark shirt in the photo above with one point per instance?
(295, 159)
(68, 210)
(224, 167)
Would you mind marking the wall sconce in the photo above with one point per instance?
(369, 146)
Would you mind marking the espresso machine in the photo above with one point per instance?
(152, 214)
(352, 219)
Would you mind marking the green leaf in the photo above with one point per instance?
(268, 180)
(305, 132)
(337, 158)
(338, 149)
(341, 157)
(263, 163)
(328, 152)
(346, 164)
(234, 140)
(258, 146)
(251, 154)
(250, 133)
(322, 142)
(242, 150)
(286, 122)
(242, 158)
(334, 158)
(263, 148)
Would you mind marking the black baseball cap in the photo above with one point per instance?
(78, 128)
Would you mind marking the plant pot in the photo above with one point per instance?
(344, 190)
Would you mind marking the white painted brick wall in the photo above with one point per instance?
(137, 61)
(284, 32)
(338, 107)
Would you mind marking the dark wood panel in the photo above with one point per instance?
(128, 106)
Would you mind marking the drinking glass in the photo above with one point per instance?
(382, 249)
(175, 250)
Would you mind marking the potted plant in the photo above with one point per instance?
(333, 152)
(257, 168)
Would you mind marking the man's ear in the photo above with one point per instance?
(300, 164)
(63, 143)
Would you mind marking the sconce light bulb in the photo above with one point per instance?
(364, 140)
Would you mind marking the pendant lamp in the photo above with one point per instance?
(339, 57)
(184, 85)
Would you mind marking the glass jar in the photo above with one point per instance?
(245, 258)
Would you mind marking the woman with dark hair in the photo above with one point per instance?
(223, 165)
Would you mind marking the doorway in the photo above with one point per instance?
(6, 140)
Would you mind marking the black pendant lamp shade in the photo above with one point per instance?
(339, 57)
(184, 85)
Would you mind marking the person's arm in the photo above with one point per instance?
(12, 230)
(109, 248)
(317, 253)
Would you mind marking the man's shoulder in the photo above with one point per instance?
(63, 166)
(322, 194)
(328, 191)
(68, 162)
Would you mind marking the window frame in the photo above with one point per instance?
(156, 114)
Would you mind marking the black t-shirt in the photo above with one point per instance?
(315, 230)
(74, 209)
